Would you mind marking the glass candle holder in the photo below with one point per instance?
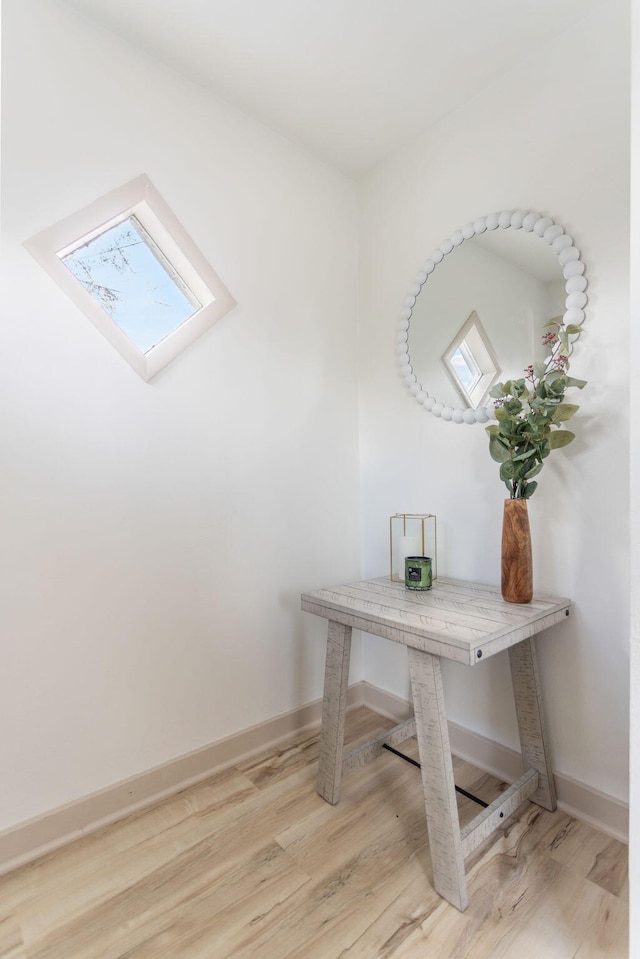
(411, 534)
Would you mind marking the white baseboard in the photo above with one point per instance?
(31, 839)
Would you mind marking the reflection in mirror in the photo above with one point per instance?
(477, 310)
(471, 362)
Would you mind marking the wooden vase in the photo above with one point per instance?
(517, 564)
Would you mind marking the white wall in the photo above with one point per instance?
(552, 137)
(155, 538)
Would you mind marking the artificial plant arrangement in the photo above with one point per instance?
(530, 413)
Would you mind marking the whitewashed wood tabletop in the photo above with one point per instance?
(458, 620)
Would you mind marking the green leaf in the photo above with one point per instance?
(579, 384)
(529, 490)
(564, 412)
(556, 389)
(574, 328)
(539, 368)
(560, 438)
(497, 391)
(519, 388)
(497, 450)
(527, 454)
(521, 473)
(507, 470)
(551, 323)
(501, 414)
(534, 472)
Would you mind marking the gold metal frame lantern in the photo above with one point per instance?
(411, 534)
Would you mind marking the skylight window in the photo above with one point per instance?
(465, 367)
(131, 267)
(127, 275)
(471, 362)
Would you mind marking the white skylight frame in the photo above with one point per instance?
(472, 339)
(140, 199)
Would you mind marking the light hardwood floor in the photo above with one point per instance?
(252, 863)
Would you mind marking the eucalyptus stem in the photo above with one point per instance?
(529, 412)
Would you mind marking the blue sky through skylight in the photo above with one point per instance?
(465, 367)
(121, 272)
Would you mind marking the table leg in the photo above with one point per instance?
(438, 785)
(528, 698)
(334, 704)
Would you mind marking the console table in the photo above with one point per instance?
(464, 622)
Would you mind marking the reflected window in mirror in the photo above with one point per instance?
(471, 362)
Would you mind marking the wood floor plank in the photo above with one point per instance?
(599, 858)
(193, 911)
(398, 916)
(358, 863)
(318, 923)
(302, 750)
(11, 943)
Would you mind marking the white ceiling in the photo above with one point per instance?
(351, 80)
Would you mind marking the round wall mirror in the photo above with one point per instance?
(476, 312)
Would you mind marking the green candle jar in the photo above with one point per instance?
(417, 572)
